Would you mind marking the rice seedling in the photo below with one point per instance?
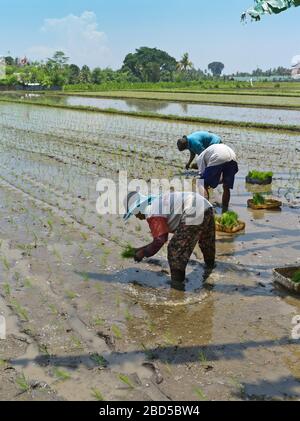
(23, 383)
(126, 380)
(53, 309)
(71, 295)
(19, 310)
(128, 316)
(77, 342)
(28, 283)
(228, 219)
(149, 354)
(128, 252)
(61, 374)
(200, 394)
(5, 263)
(202, 357)
(260, 175)
(97, 395)
(6, 289)
(99, 289)
(258, 199)
(99, 360)
(98, 321)
(117, 332)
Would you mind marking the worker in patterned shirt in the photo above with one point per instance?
(188, 216)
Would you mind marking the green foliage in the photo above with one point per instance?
(260, 175)
(216, 68)
(128, 252)
(150, 65)
(258, 199)
(296, 277)
(228, 219)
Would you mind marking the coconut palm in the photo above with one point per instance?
(184, 64)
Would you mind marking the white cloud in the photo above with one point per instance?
(78, 36)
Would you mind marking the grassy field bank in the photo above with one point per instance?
(241, 124)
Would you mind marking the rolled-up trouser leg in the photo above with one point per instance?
(207, 239)
(180, 249)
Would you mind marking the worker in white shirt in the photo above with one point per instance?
(218, 165)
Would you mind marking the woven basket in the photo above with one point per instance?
(240, 227)
(269, 204)
(265, 182)
(283, 276)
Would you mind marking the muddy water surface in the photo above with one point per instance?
(91, 325)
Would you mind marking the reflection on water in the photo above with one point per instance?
(257, 115)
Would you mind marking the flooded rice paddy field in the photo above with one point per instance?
(84, 324)
(231, 113)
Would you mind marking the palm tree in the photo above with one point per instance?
(184, 64)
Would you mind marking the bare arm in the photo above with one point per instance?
(192, 157)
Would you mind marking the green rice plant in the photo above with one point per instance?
(126, 380)
(258, 199)
(99, 360)
(98, 321)
(260, 175)
(128, 252)
(2, 363)
(23, 383)
(128, 316)
(97, 395)
(76, 341)
(228, 219)
(5, 263)
(27, 283)
(199, 392)
(6, 289)
(296, 277)
(117, 332)
(61, 374)
(99, 289)
(149, 354)
(21, 311)
(202, 357)
(84, 236)
(71, 294)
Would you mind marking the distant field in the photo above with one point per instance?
(233, 98)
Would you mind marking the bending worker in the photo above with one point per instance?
(188, 216)
(218, 165)
(196, 143)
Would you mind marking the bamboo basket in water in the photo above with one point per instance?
(269, 204)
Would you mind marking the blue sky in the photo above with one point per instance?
(102, 32)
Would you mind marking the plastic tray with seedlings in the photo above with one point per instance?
(261, 202)
(289, 277)
(229, 223)
(259, 177)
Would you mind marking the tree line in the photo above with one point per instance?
(144, 65)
